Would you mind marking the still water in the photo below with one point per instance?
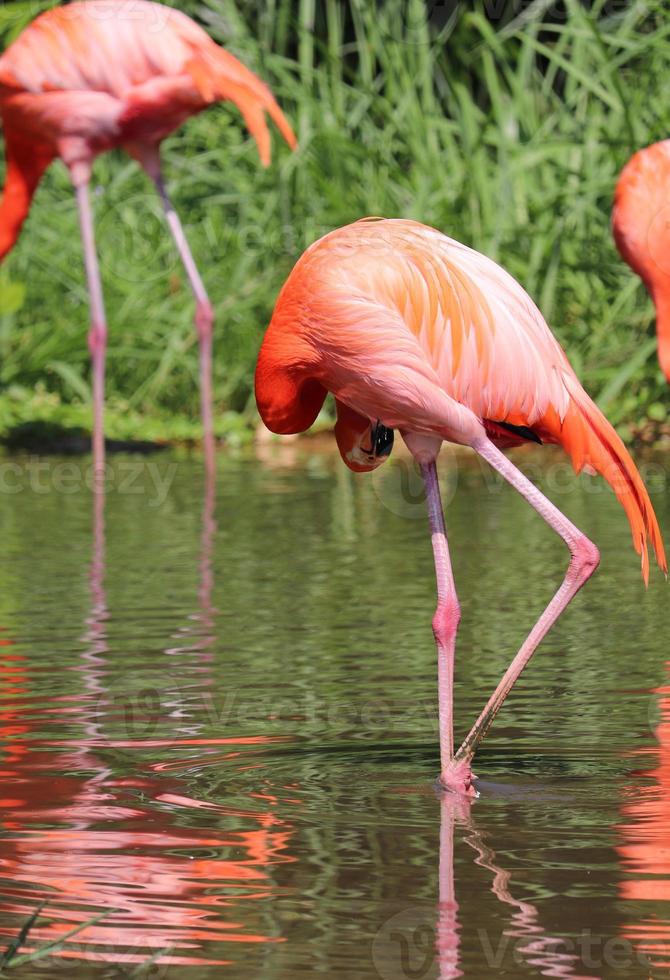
(218, 726)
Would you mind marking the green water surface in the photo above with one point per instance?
(218, 724)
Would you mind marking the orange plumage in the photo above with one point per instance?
(641, 227)
(405, 325)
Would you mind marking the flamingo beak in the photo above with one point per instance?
(381, 440)
(364, 449)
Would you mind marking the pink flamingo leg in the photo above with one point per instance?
(97, 337)
(584, 559)
(204, 313)
(445, 625)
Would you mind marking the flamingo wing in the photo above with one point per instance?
(396, 296)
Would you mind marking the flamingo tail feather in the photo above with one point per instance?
(593, 444)
(220, 76)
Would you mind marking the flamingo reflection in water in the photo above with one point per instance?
(546, 955)
(645, 849)
(126, 844)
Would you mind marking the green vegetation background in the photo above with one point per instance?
(505, 125)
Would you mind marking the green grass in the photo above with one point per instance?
(12, 958)
(505, 133)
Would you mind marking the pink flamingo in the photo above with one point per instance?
(641, 226)
(412, 330)
(94, 75)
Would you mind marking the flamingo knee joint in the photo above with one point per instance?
(446, 619)
(585, 558)
(204, 318)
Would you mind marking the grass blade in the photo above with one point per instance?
(16, 944)
(57, 944)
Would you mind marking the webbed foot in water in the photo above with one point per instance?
(459, 778)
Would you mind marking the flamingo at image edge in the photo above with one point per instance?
(91, 76)
(412, 330)
(641, 226)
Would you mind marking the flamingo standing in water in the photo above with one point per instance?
(412, 330)
(641, 226)
(99, 74)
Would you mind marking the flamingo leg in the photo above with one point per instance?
(204, 313)
(445, 623)
(97, 337)
(584, 559)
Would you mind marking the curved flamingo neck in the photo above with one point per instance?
(288, 399)
(25, 166)
(661, 297)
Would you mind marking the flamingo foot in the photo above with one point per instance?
(458, 778)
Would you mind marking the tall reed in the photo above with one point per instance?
(506, 131)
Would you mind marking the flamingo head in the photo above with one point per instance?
(364, 444)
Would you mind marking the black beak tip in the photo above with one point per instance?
(382, 440)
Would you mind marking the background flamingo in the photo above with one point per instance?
(410, 329)
(91, 76)
(641, 226)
